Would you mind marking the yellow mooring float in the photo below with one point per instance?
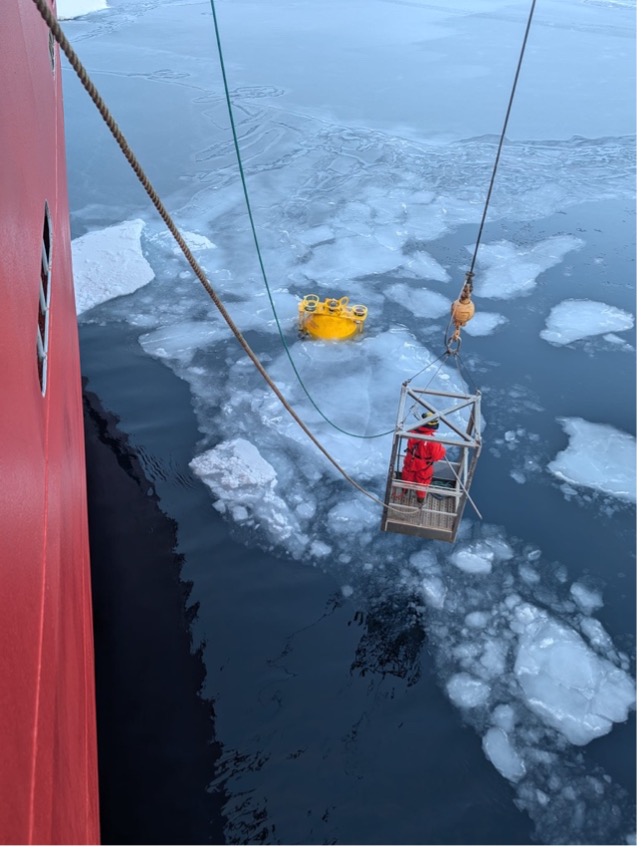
(332, 318)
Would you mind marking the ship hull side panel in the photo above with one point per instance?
(48, 783)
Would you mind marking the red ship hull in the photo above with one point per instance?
(49, 777)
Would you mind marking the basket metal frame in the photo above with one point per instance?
(448, 493)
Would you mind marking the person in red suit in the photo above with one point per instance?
(420, 456)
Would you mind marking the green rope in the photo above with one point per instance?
(55, 29)
(259, 253)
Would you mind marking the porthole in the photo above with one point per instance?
(52, 52)
(44, 300)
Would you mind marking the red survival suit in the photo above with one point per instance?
(418, 466)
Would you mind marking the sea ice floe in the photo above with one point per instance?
(180, 341)
(319, 549)
(532, 672)
(419, 301)
(237, 466)
(588, 600)
(579, 319)
(476, 619)
(194, 241)
(478, 558)
(613, 339)
(347, 257)
(434, 591)
(599, 456)
(244, 482)
(493, 658)
(597, 637)
(108, 263)
(503, 717)
(499, 750)
(509, 270)
(466, 691)
(316, 235)
(565, 683)
(68, 9)
(484, 323)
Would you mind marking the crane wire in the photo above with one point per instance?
(502, 136)
(453, 343)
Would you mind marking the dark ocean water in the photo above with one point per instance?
(246, 697)
(336, 726)
(338, 731)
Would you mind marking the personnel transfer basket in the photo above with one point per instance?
(440, 514)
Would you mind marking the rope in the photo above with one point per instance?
(467, 494)
(429, 365)
(80, 70)
(415, 405)
(461, 368)
(258, 250)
